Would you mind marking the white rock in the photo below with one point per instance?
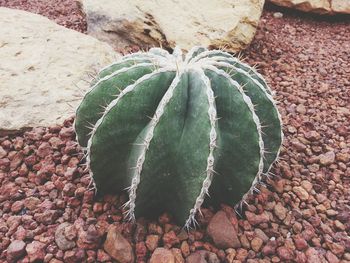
(229, 24)
(277, 15)
(42, 68)
(317, 6)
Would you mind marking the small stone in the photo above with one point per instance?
(152, 242)
(339, 225)
(36, 251)
(256, 244)
(66, 132)
(17, 206)
(279, 185)
(47, 217)
(102, 256)
(231, 254)
(44, 150)
(285, 253)
(321, 208)
(89, 239)
(300, 147)
(336, 248)
(254, 219)
(56, 142)
(241, 254)
(202, 256)
(331, 257)
(177, 255)
(16, 161)
(97, 207)
(301, 109)
(327, 158)
(244, 241)
(118, 247)
(270, 248)
(3, 153)
(69, 189)
(170, 239)
(300, 242)
(347, 256)
(15, 250)
(312, 136)
(185, 248)
(277, 15)
(222, 231)
(280, 211)
(321, 198)
(342, 157)
(261, 234)
(331, 212)
(301, 193)
(306, 185)
(62, 242)
(162, 255)
(75, 255)
(313, 256)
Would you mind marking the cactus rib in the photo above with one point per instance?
(250, 105)
(210, 160)
(149, 135)
(267, 94)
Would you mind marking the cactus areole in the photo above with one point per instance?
(171, 129)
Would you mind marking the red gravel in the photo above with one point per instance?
(304, 216)
(64, 12)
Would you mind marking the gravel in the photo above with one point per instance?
(48, 213)
(64, 12)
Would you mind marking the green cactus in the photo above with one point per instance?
(170, 129)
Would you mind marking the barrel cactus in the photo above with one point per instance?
(171, 129)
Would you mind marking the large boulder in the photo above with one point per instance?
(317, 6)
(43, 69)
(229, 24)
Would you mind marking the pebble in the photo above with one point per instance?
(327, 158)
(255, 219)
(280, 211)
(118, 247)
(36, 251)
(223, 232)
(202, 256)
(285, 254)
(61, 240)
(152, 242)
(256, 244)
(162, 255)
(277, 15)
(15, 250)
(301, 193)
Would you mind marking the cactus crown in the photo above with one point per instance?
(170, 129)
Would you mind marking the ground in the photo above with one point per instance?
(302, 216)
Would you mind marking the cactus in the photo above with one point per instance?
(170, 129)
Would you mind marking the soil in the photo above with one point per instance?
(302, 216)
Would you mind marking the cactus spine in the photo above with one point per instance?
(171, 130)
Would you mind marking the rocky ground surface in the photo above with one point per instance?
(64, 12)
(49, 214)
